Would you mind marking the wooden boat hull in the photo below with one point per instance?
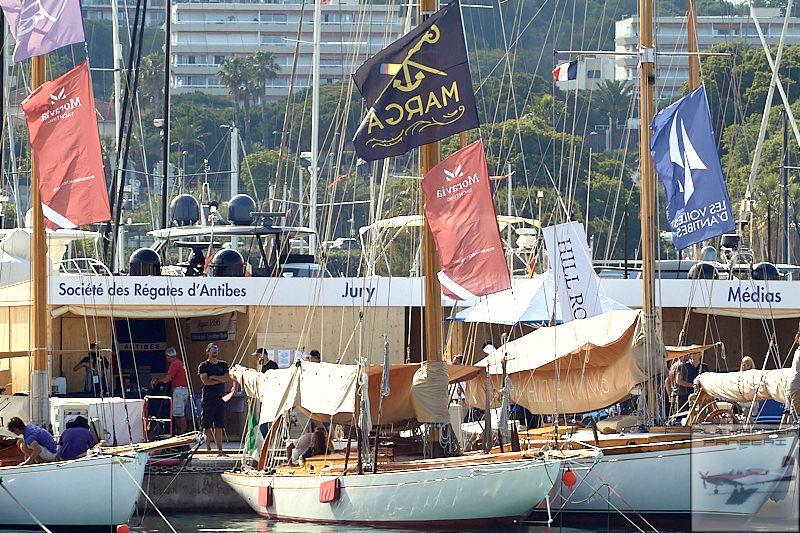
(707, 480)
(471, 493)
(92, 491)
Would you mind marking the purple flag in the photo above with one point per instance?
(41, 26)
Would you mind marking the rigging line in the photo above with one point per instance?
(768, 103)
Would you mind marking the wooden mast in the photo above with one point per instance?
(694, 59)
(429, 155)
(39, 377)
(646, 91)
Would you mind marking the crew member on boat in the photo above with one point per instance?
(308, 445)
(794, 384)
(37, 443)
(76, 440)
(689, 371)
(263, 362)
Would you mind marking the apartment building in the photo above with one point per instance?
(101, 10)
(671, 36)
(205, 34)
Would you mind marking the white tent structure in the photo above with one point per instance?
(529, 301)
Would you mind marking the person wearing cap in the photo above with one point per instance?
(96, 367)
(176, 377)
(264, 363)
(214, 375)
(314, 356)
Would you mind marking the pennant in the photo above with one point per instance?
(687, 163)
(41, 26)
(566, 71)
(576, 283)
(460, 212)
(418, 90)
(62, 128)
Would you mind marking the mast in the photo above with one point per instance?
(165, 125)
(315, 81)
(785, 177)
(39, 378)
(429, 157)
(694, 59)
(646, 91)
(117, 71)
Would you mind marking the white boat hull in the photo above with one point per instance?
(670, 482)
(92, 491)
(458, 494)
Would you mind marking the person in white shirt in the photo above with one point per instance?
(794, 381)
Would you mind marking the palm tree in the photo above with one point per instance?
(237, 75)
(265, 68)
(612, 97)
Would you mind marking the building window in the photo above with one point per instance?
(218, 60)
(594, 74)
(272, 39)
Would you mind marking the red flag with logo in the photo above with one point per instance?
(62, 128)
(461, 215)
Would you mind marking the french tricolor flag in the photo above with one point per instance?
(566, 71)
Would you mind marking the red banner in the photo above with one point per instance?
(62, 128)
(460, 213)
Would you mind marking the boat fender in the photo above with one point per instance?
(329, 491)
(265, 495)
(569, 479)
(122, 528)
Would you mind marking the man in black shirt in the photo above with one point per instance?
(97, 368)
(214, 375)
(689, 371)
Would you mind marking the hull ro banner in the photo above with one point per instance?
(66, 148)
(41, 26)
(418, 90)
(576, 283)
(461, 215)
(687, 163)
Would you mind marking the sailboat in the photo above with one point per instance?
(392, 485)
(390, 489)
(589, 364)
(102, 488)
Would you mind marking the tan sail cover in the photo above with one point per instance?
(571, 368)
(748, 385)
(322, 390)
(325, 390)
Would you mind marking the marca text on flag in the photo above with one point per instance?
(418, 90)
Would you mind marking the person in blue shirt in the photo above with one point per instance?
(76, 440)
(37, 443)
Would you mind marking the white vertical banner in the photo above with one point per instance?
(577, 288)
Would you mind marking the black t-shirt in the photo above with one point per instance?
(215, 391)
(688, 373)
(269, 365)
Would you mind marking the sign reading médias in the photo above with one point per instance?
(686, 159)
(417, 90)
(576, 283)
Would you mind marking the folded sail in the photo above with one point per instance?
(576, 367)
(748, 385)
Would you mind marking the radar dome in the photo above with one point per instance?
(144, 262)
(227, 263)
(239, 209)
(185, 210)
(702, 270)
(765, 272)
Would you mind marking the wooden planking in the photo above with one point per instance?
(332, 330)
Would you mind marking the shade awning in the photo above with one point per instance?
(416, 221)
(747, 386)
(576, 367)
(137, 311)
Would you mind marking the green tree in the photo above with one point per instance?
(265, 68)
(237, 74)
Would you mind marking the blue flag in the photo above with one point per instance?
(687, 163)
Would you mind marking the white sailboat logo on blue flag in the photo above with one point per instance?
(687, 163)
